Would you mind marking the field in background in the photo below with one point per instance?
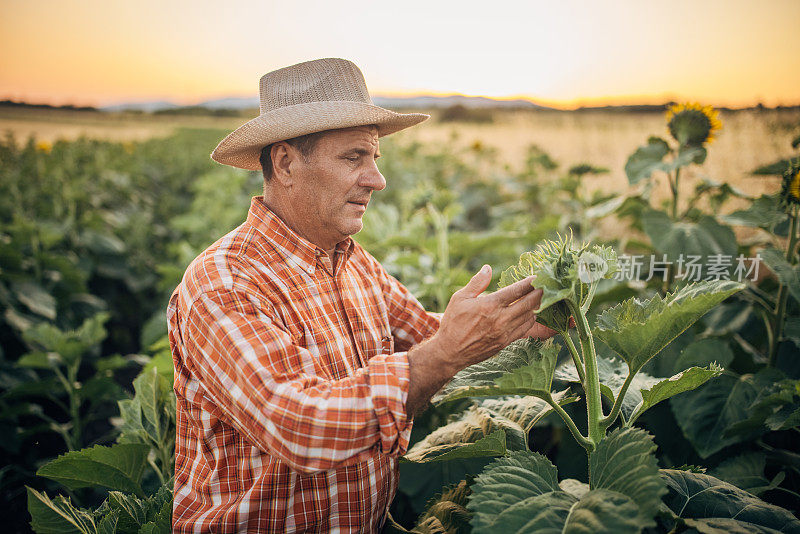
(603, 138)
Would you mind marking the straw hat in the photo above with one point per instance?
(324, 94)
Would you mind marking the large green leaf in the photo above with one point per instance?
(58, 516)
(686, 380)
(108, 525)
(647, 159)
(705, 413)
(746, 471)
(431, 450)
(598, 511)
(700, 496)
(507, 481)
(488, 428)
(519, 493)
(625, 462)
(638, 330)
(703, 238)
(525, 367)
(764, 212)
(118, 467)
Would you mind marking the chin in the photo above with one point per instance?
(352, 227)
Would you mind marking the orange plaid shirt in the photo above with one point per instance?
(290, 396)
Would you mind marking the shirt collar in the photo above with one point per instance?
(291, 245)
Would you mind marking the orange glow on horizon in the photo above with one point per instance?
(731, 53)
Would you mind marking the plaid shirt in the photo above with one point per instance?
(290, 395)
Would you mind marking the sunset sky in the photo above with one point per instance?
(557, 52)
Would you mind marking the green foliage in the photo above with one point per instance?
(703, 238)
(706, 414)
(646, 160)
(490, 427)
(118, 514)
(446, 513)
(746, 471)
(638, 330)
(149, 419)
(520, 493)
(629, 451)
(687, 380)
(523, 368)
(95, 235)
(699, 500)
(119, 467)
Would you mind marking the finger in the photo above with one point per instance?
(526, 304)
(540, 331)
(507, 295)
(477, 284)
(521, 327)
(521, 311)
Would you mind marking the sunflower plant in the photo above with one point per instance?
(511, 392)
(690, 231)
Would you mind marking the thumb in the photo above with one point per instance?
(477, 284)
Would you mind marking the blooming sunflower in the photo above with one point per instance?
(790, 192)
(692, 124)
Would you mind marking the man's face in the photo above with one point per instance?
(331, 191)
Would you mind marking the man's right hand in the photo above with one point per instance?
(474, 327)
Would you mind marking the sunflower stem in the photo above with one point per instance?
(580, 438)
(783, 294)
(576, 357)
(608, 421)
(594, 406)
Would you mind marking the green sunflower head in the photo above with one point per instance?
(692, 124)
(564, 270)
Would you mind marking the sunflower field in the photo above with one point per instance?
(671, 405)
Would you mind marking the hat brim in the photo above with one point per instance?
(242, 147)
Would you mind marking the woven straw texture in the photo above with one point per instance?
(324, 94)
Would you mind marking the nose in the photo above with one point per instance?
(373, 178)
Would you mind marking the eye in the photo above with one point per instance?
(351, 158)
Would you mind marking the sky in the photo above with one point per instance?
(564, 53)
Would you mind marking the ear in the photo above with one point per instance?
(284, 161)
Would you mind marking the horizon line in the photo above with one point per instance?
(561, 105)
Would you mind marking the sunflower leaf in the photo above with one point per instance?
(701, 497)
(625, 462)
(638, 330)
(525, 367)
(647, 159)
(490, 427)
(686, 380)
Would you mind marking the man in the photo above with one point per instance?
(299, 362)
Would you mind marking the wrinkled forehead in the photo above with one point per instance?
(356, 134)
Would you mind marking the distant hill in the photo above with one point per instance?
(420, 102)
(146, 107)
(427, 102)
